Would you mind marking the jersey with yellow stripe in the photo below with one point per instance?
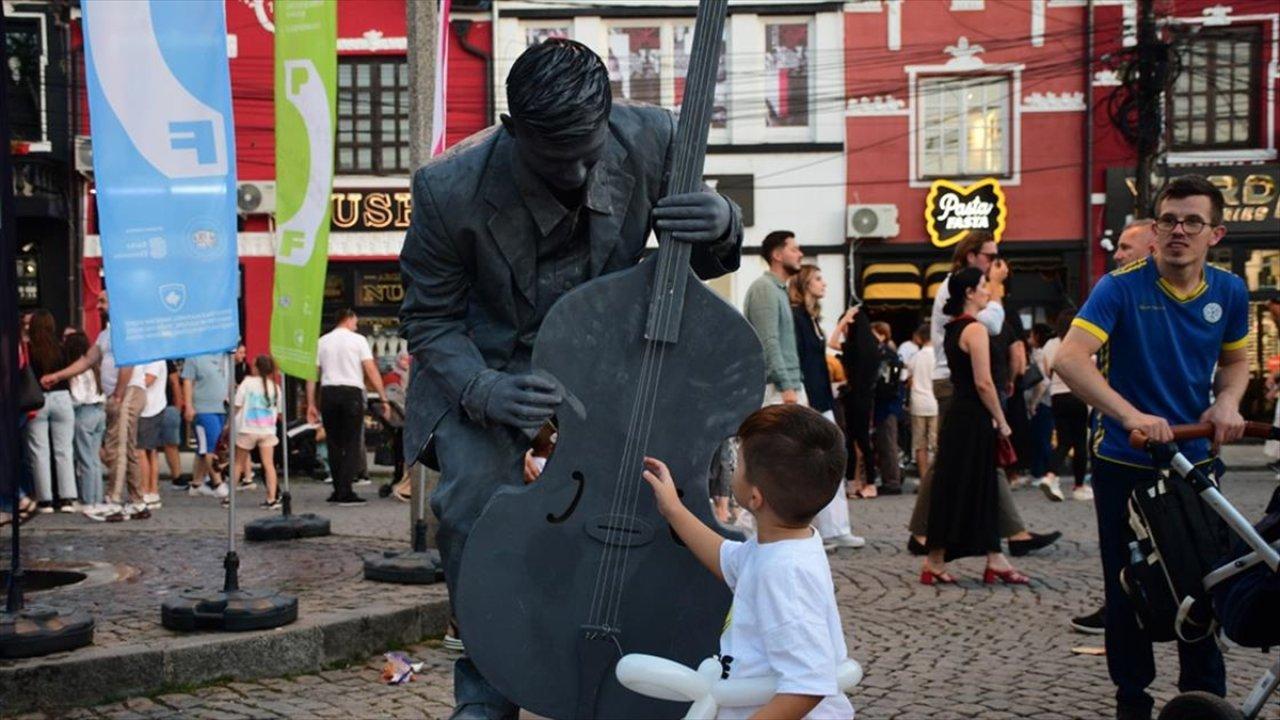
(1162, 347)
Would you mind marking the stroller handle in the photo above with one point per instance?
(1194, 431)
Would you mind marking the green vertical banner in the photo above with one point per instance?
(306, 55)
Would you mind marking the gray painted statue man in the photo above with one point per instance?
(565, 190)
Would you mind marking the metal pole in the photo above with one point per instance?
(282, 492)
(231, 450)
(421, 20)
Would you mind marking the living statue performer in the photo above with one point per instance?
(567, 189)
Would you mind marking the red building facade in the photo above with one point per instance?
(968, 98)
(1221, 117)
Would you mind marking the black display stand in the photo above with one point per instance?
(231, 609)
(419, 566)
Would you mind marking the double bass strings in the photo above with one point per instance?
(696, 115)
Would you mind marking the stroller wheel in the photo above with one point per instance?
(1199, 706)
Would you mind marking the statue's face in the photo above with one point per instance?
(563, 166)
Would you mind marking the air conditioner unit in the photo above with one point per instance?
(84, 155)
(872, 221)
(256, 198)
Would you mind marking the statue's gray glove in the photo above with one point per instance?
(524, 401)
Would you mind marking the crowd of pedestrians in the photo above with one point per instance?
(104, 433)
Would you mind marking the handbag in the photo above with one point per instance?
(1032, 377)
(30, 394)
(1006, 456)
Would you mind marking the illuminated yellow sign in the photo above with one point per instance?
(951, 210)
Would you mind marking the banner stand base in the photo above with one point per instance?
(40, 630)
(407, 567)
(286, 526)
(231, 609)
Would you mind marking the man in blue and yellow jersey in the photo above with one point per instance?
(1166, 323)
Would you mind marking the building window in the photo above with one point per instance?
(786, 73)
(373, 116)
(1212, 105)
(964, 126)
(534, 34)
(24, 84)
(649, 63)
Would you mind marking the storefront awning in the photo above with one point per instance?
(933, 277)
(891, 282)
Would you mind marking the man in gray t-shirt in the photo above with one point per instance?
(205, 389)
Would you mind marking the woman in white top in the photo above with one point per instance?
(1070, 419)
(257, 408)
(1040, 408)
(91, 422)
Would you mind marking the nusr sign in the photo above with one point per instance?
(370, 209)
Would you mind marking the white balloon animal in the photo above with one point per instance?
(669, 680)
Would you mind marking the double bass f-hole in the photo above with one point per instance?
(573, 504)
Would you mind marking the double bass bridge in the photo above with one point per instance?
(620, 530)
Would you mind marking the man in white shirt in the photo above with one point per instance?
(345, 362)
(151, 378)
(977, 249)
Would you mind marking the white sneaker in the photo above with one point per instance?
(846, 541)
(221, 491)
(362, 482)
(102, 510)
(1083, 493)
(1049, 486)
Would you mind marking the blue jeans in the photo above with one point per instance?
(1129, 657)
(91, 425)
(51, 445)
(1041, 440)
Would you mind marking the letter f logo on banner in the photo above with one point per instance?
(194, 135)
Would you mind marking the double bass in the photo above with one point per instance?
(561, 577)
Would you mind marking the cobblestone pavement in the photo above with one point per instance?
(183, 545)
(960, 652)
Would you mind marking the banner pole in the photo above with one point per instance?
(231, 564)
(283, 490)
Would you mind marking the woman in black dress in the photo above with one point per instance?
(963, 509)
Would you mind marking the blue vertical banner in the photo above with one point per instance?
(164, 164)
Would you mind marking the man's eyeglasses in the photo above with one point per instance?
(1191, 226)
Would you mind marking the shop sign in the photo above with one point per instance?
(370, 209)
(387, 209)
(382, 288)
(952, 210)
(1251, 194)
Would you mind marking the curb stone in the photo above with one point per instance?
(313, 643)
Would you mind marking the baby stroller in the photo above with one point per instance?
(1237, 596)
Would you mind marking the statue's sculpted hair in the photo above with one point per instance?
(560, 90)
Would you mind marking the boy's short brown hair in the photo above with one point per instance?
(795, 456)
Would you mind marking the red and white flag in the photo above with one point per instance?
(442, 74)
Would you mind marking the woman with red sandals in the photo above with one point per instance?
(963, 509)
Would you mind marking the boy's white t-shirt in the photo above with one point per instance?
(784, 622)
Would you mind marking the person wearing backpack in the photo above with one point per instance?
(887, 410)
(1162, 325)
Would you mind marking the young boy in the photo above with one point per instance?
(783, 621)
